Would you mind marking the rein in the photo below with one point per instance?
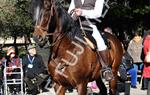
(59, 37)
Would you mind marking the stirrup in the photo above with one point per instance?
(107, 73)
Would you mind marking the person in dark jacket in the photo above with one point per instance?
(127, 61)
(34, 70)
(2, 64)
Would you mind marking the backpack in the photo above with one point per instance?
(127, 61)
(126, 64)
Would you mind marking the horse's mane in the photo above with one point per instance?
(68, 24)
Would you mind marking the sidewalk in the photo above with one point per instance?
(133, 91)
(138, 91)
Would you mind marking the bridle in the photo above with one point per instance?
(45, 30)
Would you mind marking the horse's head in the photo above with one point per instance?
(53, 20)
(43, 16)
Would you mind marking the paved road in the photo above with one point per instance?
(137, 91)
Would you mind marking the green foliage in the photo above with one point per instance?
(128, 14)
(2, 53)
(14, 18)
(22, 52)
(142, 11)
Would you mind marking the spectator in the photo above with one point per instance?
(34, 70)
(1, 71)
(145, 34)
(12, 59)
(13, 62)
(146, 70)
(135, 49)
(127, 63)
(2, 65)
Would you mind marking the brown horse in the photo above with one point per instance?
(73, 62)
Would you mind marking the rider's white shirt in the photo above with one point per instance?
(94, 13)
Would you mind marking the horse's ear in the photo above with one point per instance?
(51, 1)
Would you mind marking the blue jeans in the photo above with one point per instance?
(133, 73)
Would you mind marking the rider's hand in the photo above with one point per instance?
(78, 11)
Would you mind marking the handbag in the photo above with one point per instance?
(127, 61)
(126, 64)
(122, 72)
(147, 57)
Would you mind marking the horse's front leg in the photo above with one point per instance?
(59, 89)
(82, 89)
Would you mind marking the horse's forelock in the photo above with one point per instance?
(36, 13)
(36, 7)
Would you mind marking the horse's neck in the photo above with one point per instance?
(61, 45)
(65, 30)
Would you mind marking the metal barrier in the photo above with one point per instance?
(12, 81)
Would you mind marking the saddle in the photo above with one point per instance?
(90, 39)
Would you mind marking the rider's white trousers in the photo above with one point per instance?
(99, 40)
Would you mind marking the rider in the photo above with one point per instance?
(89, 10)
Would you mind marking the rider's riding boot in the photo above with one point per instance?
(106, 70)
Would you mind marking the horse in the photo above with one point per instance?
(73, 62)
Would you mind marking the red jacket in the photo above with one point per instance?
(146, 70)
(13, 62)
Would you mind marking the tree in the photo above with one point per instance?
(126, 17)
(123, 16)
(15, 19)
(129, 13)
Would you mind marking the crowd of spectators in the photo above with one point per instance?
(34, 70)
(137, 49)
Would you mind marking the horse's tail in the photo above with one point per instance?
(116, 50)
